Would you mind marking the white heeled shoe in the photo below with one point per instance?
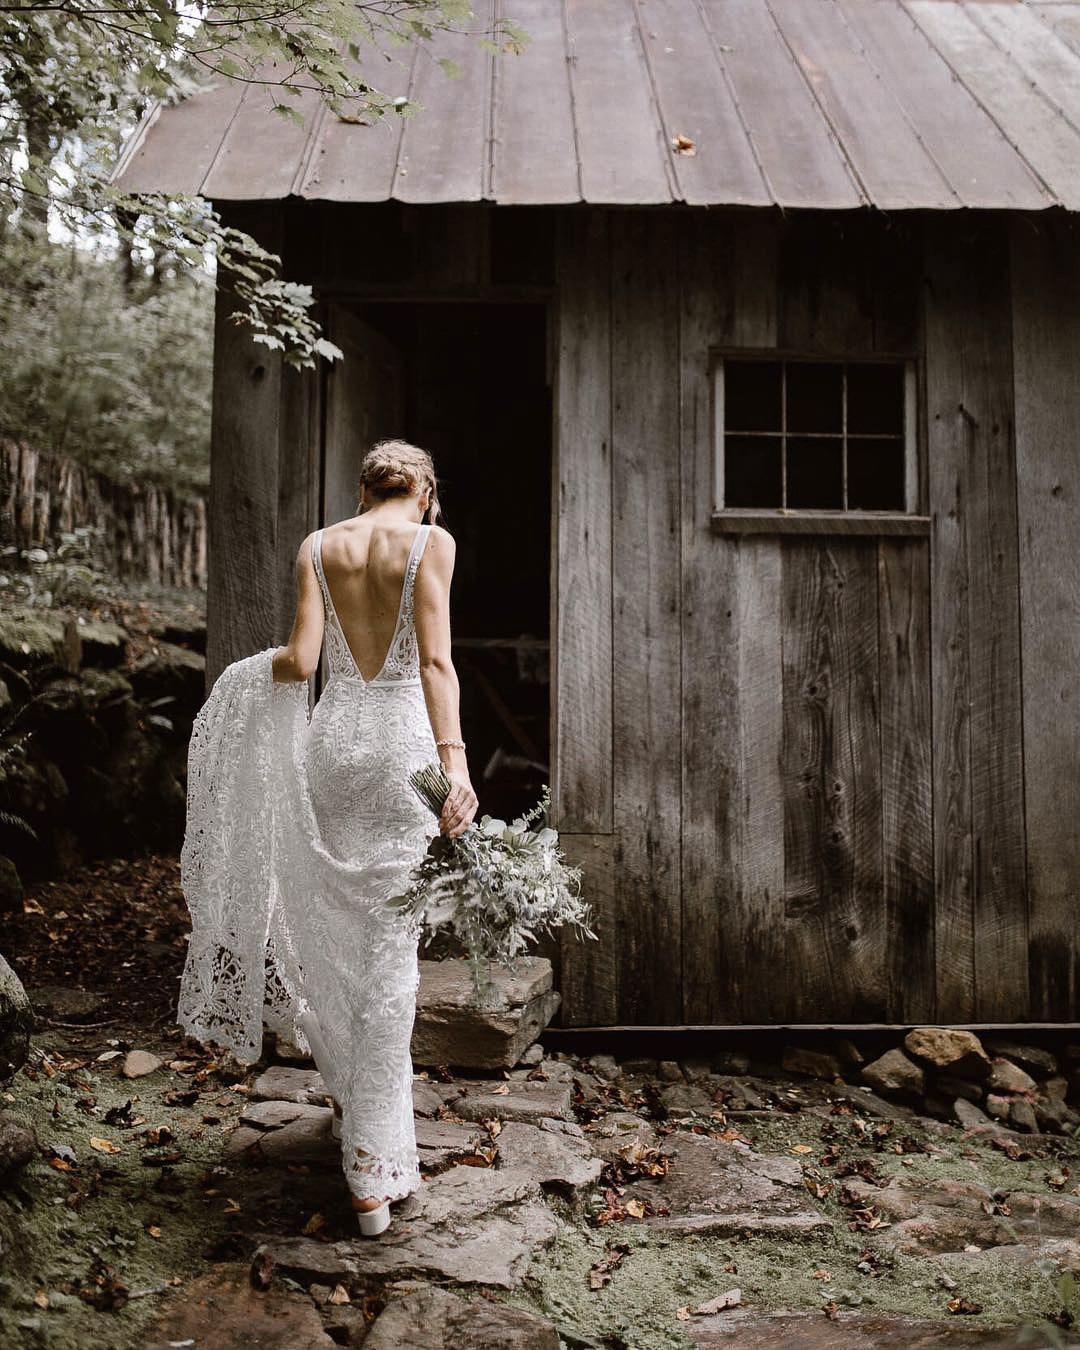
(374, 1221)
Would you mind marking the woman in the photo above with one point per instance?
(335, 827)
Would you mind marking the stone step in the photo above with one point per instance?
(451, 1028)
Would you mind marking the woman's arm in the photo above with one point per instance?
(300, 657)
(431, 601)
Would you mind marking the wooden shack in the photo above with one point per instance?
(746, 337)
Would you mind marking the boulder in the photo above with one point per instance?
(997, 1106)
(442, 1143)
(452, 1028)
(951, 1051)
(731, 1061)
(109, 698)
(270, 1115)
(1057, 1086)
(894, 1072)
(16, 1022)
(668, 1071)
(683, 1099)
(437, 1317)
(221, 1309)
(1005, 1076)
(1034, 1058)
(605, 1067)
(968, 1114)
(811, 1063)
(38, 640)
(103, 643)
(1022, 1116)
(66, 1005)
(172, 672)
(1050, 1113)
(547, 1153)
(948, 1086)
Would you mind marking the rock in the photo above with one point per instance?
(290, 1052)
(302, 1258)
(11, 888)
(103, 643)
(427, 1100)
(533, 1055)
(847, 1052)
(616, 1130)
(1031, 1057)
(1058, 1086)
(437, 1317)
(279, 1084)
(968, 1114)
(552, 1157)
(605, 1067)
(66, 1005)
(17, 1144)
(1005, 1076)
(108, 697)
(169, 671)
(997, 1106)
(639, 1068)
(669, 1072)
(737, 1094)
(441, 1143)
(811, 1063)
(139, 1063)
(16, 1022)
(696, 1070)
(894, 1072)
(948, 1086)
(525, 1101)
(472, 1225)
(686, 1099)
(1050, 1112)
(951, 1051)
(711, 1179)
(451, 1028)
(1022, 1116)
(39, 641)
(758, 1329)
(266, 1115)
(221, 1309)
(304, 1140)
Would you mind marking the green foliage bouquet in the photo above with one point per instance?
(494, 889)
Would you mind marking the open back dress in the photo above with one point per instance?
(299, 830)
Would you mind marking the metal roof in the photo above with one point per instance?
(797, 103)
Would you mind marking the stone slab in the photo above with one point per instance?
(220, 1309)
(551, 1156)
(440, 1143)
(281, 1084)
(272, 1115)
(437, 1317)
(751, 1329)
(452, 1028)
(525, 1101)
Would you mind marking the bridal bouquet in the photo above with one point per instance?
(495, 888)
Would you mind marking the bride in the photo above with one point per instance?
(299, 829)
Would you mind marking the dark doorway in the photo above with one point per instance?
(470, 383)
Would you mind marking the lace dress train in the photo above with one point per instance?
(333, 836)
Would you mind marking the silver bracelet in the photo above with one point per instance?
(459, 745)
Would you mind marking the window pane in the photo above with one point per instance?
(752, 471)
(875, 474)
(752, 395)
(875, 399)
(815, 472)
(815, 393)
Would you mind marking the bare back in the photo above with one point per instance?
(364, 565)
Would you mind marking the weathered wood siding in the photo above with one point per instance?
(817, 742)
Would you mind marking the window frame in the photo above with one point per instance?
(808, 519)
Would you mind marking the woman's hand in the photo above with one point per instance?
(459, 807)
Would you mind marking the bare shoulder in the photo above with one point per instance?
(442, 540)
(303, 553)
(440, 550)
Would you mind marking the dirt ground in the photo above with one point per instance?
(135, 1204)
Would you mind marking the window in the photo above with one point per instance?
(802, 435)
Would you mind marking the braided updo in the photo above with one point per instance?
(398, 469)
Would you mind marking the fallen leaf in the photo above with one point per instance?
(106, 1055)
(503, 1090)
(801, 1148)
(964, 1306)
(821, 1275)
(339, 1294)
(600, 1274)
(231, 1207)
(683, 145)
(683, 1314)
(313, 1224)
(635, 1209)
(154, 1231)
(262, 1269)
(732, 1299)
(104, 1145)
(41, 1298)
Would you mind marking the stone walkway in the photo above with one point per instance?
(578, 1203)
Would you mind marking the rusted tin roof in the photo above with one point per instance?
(798, 103)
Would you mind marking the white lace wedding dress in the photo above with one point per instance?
(298, 831)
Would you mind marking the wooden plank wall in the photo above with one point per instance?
(1046, 368)
(810, 857)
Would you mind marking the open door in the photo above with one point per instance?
(365, 402)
